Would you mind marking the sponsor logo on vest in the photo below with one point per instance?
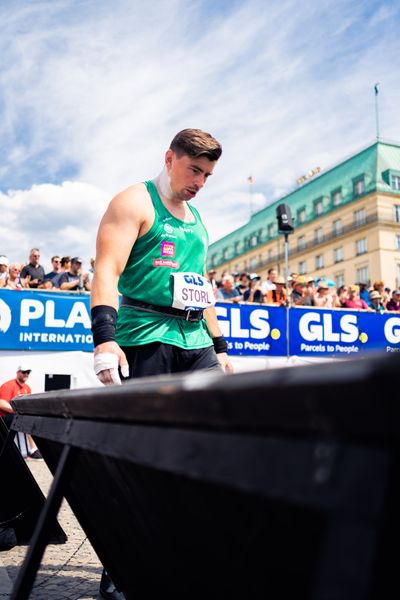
(168, 228)
(168, 249)
(164, 262)
(5, 316)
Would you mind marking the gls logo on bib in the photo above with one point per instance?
(192, 291)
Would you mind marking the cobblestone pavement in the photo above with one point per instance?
(69, 571)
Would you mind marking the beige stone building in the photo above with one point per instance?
(347, 225)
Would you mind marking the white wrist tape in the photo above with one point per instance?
(104, 361)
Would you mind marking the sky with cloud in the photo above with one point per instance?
(92, 92)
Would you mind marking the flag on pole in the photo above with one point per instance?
(376, 89)
(250, 179)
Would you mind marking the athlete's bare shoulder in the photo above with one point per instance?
(133, 201)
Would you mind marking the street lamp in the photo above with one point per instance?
(286, 227)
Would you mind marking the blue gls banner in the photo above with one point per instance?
(44, 321)
(316, 332)
(253, 330)
(57, 321)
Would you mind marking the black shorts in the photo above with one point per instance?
(160, 359)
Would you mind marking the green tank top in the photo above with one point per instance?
(170, 245)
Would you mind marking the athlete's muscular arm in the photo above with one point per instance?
(125, 219)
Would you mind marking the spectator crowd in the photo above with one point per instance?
(67, 274)
(303, 291)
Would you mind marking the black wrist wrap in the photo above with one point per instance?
(220, 344)
(104, 319)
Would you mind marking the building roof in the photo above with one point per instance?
(372, 165)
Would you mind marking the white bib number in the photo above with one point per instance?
(192, 291)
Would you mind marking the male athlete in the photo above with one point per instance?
(151, 247)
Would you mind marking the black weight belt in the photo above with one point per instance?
(188, 315)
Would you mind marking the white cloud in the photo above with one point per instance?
(100, 88)
(59, 219)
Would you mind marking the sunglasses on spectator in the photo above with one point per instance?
(25, 372)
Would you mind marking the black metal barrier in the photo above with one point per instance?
(271, 484)
(21, 499)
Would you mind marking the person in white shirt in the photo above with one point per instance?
(269, 284)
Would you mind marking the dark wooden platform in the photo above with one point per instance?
(272, 484)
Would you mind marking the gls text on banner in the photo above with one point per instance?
(57, 321)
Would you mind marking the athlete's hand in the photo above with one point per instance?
(225, 362)
(107, 358)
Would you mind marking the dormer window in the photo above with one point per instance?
(337, 197)
(358, 186)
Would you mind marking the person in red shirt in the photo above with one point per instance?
(10, 390)
(354, 301)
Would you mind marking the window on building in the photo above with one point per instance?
(225, 253)
(398, 275)
(337, 197)
(319, 235)
(339, 280)
(361, 246)
(253, 263)
(270, 230)
(237, 247)
(362, 275)
(360, 217)
(337, 227)
(319, 261)
(358, 186)
(318, 206)
(301, 215)
(254, 240)
(396, 182)
(338, 254)
(302, 267)
(270, 255)
(397, 241)
(301, 242)
(397, 213)
(213, 260)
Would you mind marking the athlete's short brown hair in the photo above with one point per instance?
(196, 143)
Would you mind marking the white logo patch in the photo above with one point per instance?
(168, 228)
(5, 316)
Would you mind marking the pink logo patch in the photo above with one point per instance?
(168, 249)
(164, 262)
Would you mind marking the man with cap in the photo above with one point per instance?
(10, 390)
(324, 298)
(376, 301)
(301, 295)
(4, 264)
(277, 296)
(73, 280)
(394, 303)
